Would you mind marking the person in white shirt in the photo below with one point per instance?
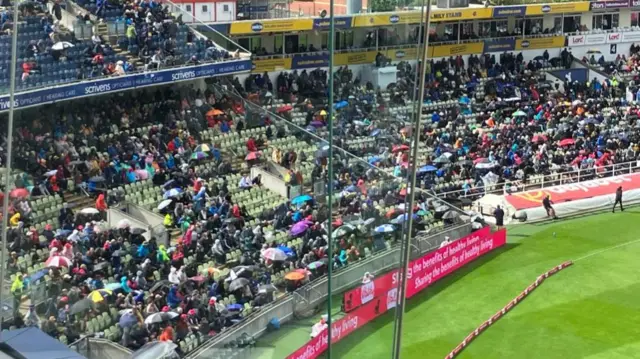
(445, 242)
(245, 182)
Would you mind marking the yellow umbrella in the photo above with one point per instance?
(99, 295)
(323, 113)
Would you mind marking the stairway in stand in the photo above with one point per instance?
(102, 30)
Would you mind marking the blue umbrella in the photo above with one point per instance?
(341, 104)
(375, 132)
(352, 188)
(234, 307)
(427, 168)
(385, 228)
(174, 192)
(286, 250)
(374, 159)
(301, 199)
(127, 320)
(38, 275)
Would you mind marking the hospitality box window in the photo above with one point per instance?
(492, 28)
(605, 21)
(635, 19)
(532, 26)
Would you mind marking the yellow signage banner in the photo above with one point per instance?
(261, 27)
(455, 50)
(558, 8)
(387, 19)
(354, 58)
(540, 43)
(461, 14)
(408, 53)
(268, 65)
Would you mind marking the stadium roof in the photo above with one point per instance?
(33, 343)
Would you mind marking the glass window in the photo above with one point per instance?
(531, 26)
(557, 24)
(205, 8)
(635, 16)
(605, 21)
(187, 8)
(225, 8)
(277, 44)
(492, 28)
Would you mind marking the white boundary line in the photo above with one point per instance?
(606, 249)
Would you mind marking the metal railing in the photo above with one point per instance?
(98, 348)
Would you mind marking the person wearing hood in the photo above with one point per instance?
(119, 70)
(67, 251)
(15, 219)
(174, 277)
(143, 250)
(173, 298)
(125, 285)
(31, 319)
(101, 204)
(141, 281)
(162, 256)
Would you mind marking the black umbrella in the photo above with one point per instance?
(138, 231)
(81, 306)
(160, 284)
(101, 266)
(450, 215)
(238, 284)
(266, 288)
(232, 220)
(117, 253)
(244, 271)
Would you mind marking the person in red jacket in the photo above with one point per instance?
(101, 204)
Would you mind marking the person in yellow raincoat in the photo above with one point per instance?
(168, 221)
(162, 255)
(13, 221)
(17, 288)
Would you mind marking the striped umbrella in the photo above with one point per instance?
(58, 261)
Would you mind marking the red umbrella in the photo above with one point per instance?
(539, 138)
(480, 160)
(284, 108)
(566, 142)
(394, 212)
(252, 156)
(19, 193)
(400, 148)
(58, 261)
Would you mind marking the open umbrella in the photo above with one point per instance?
(322, 113)
(19, 193)
(252, 156)
(566, 142)
(231, 220)
(243, 271)
(138, 231)
(442, 159)
(274, 254)
(214, 112)
(294, 276)
(425, 169)
(160, 284)
(400, 219)
(174, 192)
(113, 286)
(164, 204)
(519, 113)
(442, 209)
(301, 199)
(450, 215)
(101, 266)
(160, 317)
(343, 231)
(539, 138)
(97, 179)
(99, 295)
(89, 210)
(238, 284)
(284, 108)
(38, 275)
(127, 320)
(199, 155)
(486, 165)
(266, 288)
(58, 261)
(61, 45)
(341, 104)
(400, 148)
(235, 307)
(81, 306)
(385, 228)
(202, 148)
(299, 228)
(124, 223)
(315, 265)
(51, 173)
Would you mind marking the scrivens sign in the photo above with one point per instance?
(116, 84)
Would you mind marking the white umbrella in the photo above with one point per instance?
(58, 261)
(274, 254)
(160, 317)
(89, 210)
(61, 45)
(164, 204)
(124, 223)
(51, 173)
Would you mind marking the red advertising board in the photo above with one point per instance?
(574, 191)
(417, 271)
(422, 272)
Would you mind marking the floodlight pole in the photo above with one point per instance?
(406, 246)
(7, 174)
(332, 35)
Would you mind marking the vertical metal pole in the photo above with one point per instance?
(7, 175)
(332, 38)
(406, 249)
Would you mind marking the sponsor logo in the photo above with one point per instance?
(257, 26)
(400, 54)
(394, 19)
(367, 292)
(392, 298)
(614, 37)
(546, 8)
(183, 75)
(576, 40)
(525, 43)
(97, 89)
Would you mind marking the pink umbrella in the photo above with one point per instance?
(566, 142)
(142, 174)
(539, 138)
(19, 193)
(58, 261)
(479, 160)
(252, 156)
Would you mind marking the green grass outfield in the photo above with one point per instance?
(590, 310)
